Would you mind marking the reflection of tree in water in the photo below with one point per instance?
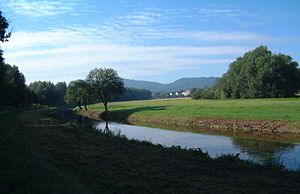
(84, 122)
(106, 129)
(260, 149)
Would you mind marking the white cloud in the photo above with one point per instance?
(121, 43)
(61, 38)
(68, 55)
(39, 8)
(225, 36)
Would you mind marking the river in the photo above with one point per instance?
(254, 149)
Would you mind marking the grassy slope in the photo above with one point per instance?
(41, 155)
(282, 110)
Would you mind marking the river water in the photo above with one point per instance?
(215, 145)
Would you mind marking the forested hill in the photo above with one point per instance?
(180, 84)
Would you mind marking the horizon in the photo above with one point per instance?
(155, 41)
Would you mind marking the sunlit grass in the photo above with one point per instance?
(262, 109)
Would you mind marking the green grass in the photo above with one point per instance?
(41, 154)
(240, 115)
(249, 109)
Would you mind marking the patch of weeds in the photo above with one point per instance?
(274, 161)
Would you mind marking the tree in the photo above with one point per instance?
(135, 94)
(45, 92)
(61, 88)
(79, 92)
(3, 38)
(260, 74)
(3, 26)
(106, 84)
(14, 86)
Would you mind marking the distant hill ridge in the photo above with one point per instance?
(180, 84)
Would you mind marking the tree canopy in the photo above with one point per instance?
(61, 89)
(135, 94)
(3, 27)
(105, 84)
(79, 93)
(13, 86)
(257, 74)
(48, 93)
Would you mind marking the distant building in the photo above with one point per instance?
(186, 93)
(182, 93)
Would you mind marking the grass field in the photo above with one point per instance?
(42, 154)
(244, 113)
(267, 109)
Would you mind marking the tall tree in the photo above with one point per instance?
(79, 93)
(4, 36)
(259, 73)
(106, 84)
(61, 88)
(14, 86)
(45, 92)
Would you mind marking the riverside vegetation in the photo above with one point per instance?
(46, 154)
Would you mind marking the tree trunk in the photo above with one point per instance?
(105, 106)
(79, 105)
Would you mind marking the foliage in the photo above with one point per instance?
(79, 92)
(3, 26)
(47, 93)
(135, 94)
(259, 73)
(106, 84)
(13, 87)
(157, 95)
(3, 38)
(12, 81)
(61, 89)
(205, 93)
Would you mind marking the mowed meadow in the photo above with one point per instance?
(188, 111)
(269, 109)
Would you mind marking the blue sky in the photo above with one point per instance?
(155, 40)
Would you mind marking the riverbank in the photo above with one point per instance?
(43, 154)
(246, 115)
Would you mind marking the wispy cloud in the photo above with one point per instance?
(220, 12)
(138, 43)
(39, 8)
(77, 52)
(130, 61)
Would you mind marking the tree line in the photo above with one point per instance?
(257, 74)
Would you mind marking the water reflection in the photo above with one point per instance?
(215, 145)
(262, 150)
